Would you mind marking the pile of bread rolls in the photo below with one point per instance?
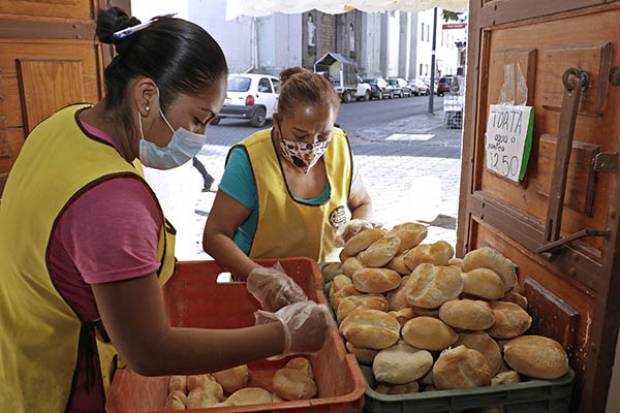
(428, 321)
(295, 381)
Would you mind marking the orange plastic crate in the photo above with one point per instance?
(194, 298)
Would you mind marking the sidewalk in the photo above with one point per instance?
(411, 168)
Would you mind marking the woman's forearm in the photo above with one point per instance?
(224, 250)
(197, 351)
(363, 211)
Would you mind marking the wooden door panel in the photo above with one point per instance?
(594, 52)
(38, 59)
(47, 85)
(67, 9)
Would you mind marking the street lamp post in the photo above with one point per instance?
(431, 95)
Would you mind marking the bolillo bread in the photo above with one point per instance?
(361, 241)
(510, 320)
(371, 329)
(401, 364)
(295, 381)
(461, 368)
(481, 342)
(398, 264)
(233, 379)
(354, 302)
(407, 388)
(429, 286)
(475, 315)
(376, 280)
(438, 253)
(397, 298)
(363, 355)
(350, 266)
(380, 252)
(428, 333)
(483, 283)
(493, 260)
(536, 356)
(411, 234)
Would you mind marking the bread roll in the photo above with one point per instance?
(428, 333)
(331, 270)
(177, 400)
(461, 368)
(337, 297)
(381, 252)
(339, 282)
(518, 299)
(351, 265)
(295, 381)
(371, 329)
(401, 364)
(249, 396)
(510, 320)
(403, 315)
(407, 388)
(486, 345)
(343, 256)
(233, 379)
(354, 302)
(361, 241)
(200, 399)
(506, 377)
(427, 379)
(430, 286)
(411, 234)
(466, 314)
(363, 355)
(376, 280)
(417, 311)
(483, 283)
(438, 253)
(198, 381)
(536, 356)
(456, 262)
(493, 260)
(397, 298)
(177, 383)
(398, 264)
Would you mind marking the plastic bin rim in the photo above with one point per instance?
(562, 381)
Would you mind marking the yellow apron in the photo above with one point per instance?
(40, 333)
(286, 227)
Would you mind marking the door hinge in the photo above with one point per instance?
(606, 162)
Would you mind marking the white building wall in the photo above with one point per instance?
(371, 45)
(392, 44)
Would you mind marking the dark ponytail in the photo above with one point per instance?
(180, 56)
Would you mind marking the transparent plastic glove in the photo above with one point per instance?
(306, 326)
(273, 288)
(352, 228)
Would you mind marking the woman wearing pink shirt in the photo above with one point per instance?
(84, 245)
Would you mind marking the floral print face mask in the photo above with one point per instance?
(301, 154)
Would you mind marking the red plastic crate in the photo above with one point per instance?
(194, 298)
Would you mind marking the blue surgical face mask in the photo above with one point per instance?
(183, 146)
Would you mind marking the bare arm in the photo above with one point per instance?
(225, 217)
(134, 315)
(360, 203)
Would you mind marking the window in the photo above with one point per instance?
(276, 85)
(422, 31)
(238, 84)
(421, 69)
(443, 36)
(426, 72)
(428, 33)
(264, 86)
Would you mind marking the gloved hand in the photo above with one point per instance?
(306, 325)
(352, 228)
(273, 288)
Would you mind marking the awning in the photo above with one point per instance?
(236, 8)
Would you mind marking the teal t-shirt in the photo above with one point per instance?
(238, 183)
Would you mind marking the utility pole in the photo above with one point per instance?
(431, 95)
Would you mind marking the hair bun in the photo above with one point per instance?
(110, 21)
(286, 74)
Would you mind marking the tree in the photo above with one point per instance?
(451, 15)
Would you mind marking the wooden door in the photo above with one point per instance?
(574, 289)
(48, 59)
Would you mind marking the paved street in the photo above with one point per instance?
(409, 161)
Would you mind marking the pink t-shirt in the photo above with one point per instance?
(109, 233)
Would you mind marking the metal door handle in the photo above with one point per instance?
(576, 83)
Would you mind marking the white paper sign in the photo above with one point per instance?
(508, 140)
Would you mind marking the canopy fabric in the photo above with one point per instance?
(236, 8)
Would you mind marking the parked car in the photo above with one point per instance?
(444, 85)
(379, 88)
(250, 96)
(342, 73)
(419, 87)
(400, 87)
